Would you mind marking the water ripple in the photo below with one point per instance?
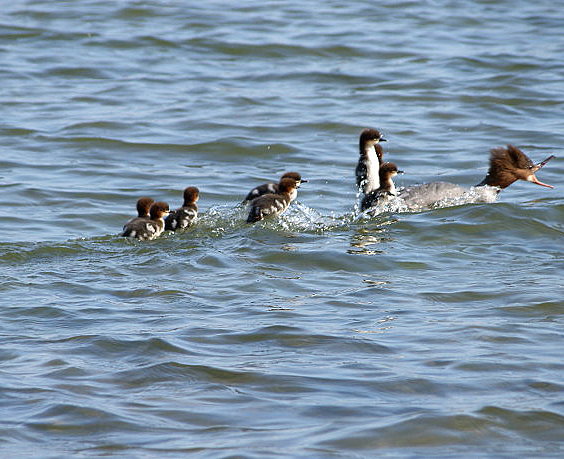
(428, 331)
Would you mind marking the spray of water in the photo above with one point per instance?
(220, 220)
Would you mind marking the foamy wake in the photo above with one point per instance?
(300, 217)
(219, 220)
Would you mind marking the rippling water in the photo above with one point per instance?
(323, 333)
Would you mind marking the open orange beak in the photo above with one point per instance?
(533, 179)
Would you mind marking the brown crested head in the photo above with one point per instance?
(388, 170)
(159, 210)
(369, 137)
(191, 195)
(293, 175)
(143, 206)
(507, 165)
(286, 185)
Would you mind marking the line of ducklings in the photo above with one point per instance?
(374, 179)
(155, 217)
(266, 200)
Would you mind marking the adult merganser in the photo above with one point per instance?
(371, 157)
(271, 204)
(186, 215)
(386, 189)
(271, 187)
(146, 229)
(507, 165)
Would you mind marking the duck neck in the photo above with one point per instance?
(390, 188)
(369, 151)
(291, 195)
(489, 180)
(372, 163)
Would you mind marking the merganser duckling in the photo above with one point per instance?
(146, 229)
(143, 206)
(271, 204)
(184, 216)
(371, 157)
(507, 165)
(387, 188)
(272, 188)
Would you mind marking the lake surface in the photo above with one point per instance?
(321, 333)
